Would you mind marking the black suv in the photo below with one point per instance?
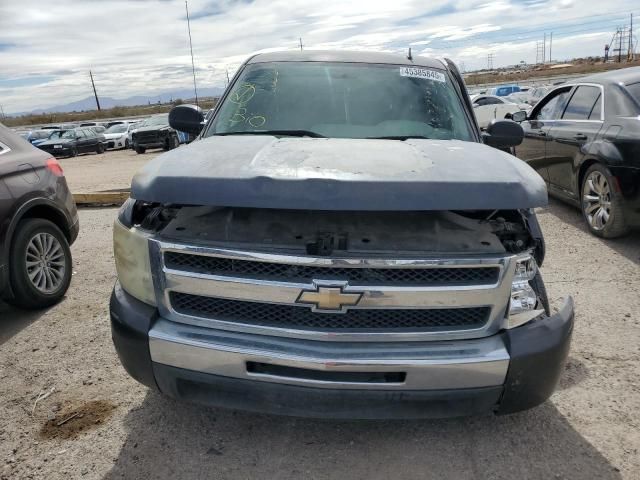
(71, 142)
(155, 132)
(38, 222)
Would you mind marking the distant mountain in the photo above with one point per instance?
(89, 103)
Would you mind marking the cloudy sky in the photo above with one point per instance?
(140, 47)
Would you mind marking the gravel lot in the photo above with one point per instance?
(111, 170)
(589, 429)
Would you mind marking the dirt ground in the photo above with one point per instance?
(111, 170)
(99, 423)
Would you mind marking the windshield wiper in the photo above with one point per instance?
(288, 133)
(398, 137)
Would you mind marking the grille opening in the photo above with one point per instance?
(301, 317)
(436, 276)
(324, 376)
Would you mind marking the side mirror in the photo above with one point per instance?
(503, 134)
(186, 118)
(520, 116)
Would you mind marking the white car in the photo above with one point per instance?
(488, 107)
(117, 136)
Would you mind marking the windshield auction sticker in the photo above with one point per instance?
(415, 72)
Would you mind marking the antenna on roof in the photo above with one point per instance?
(409, 57)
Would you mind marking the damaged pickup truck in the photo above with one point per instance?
(340, 241)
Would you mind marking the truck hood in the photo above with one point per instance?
(263, 171)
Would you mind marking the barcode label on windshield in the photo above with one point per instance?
(422, 73)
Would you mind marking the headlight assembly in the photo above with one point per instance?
(131, 252)
(524, 299)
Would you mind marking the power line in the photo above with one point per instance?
(193, 65)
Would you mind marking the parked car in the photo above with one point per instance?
(583, 138)
(74, 141)
(489, 107)
(314, 253)
(155, 133)
(99, 129)
(34, 137)
(132, 130)
(117, 135)
(503, 90)
(38, 222)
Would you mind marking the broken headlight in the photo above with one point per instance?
(524, 299)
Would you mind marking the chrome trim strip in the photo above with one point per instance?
(437, 365)
(495, 296)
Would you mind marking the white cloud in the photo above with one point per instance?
(141, 47)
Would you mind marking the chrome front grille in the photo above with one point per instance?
(301, 317)
(398, 299)
(355, 276)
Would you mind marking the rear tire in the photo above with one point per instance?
(40, 264)
(601, 204)
(100, 148)
(140, 149)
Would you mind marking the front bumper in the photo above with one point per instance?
(504, 373)
(116, 143)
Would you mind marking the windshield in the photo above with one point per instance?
(157, 120)
(56, 134)
(68, 134)
(120, 128)
(343, 101)
(634, 89)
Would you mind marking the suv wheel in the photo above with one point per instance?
(40, 264)
(73, 152)
(601, 204)
(140, 149)
(176, 142)
(100, 148)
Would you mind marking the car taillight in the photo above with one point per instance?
(54, 167)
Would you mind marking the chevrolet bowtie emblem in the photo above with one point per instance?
(329, 299)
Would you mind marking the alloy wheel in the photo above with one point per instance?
(45, 261)
(596, 200)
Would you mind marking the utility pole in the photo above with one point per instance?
(2, 112)
(550, 45)
(630, 53)
(228, 77)
(193, 65)
(301, 44)
(539, 52)
(544, 49)
(620, 48)
(94, 90)
(490, 61)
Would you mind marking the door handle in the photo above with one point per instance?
(580, 136)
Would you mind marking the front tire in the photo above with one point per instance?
(601, 204)
(140, 149)
(73, 152)
(40, 264)
(99, 148)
